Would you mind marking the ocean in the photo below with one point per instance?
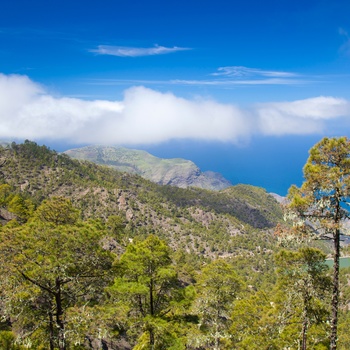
(274, 163)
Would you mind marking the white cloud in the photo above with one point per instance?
(239, 75)
(198, 82)
(123, 51)
(156, 116)
(302, 116)
(148, 116)
(143, 116)
(225, 76)
(230, 82)
(240, 71)
(321, 107)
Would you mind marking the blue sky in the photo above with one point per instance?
(243, 88)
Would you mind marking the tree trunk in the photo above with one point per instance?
(304, 332)
(151, 301)
(335, 292)
(217, 339)
(151, 338)
(52, 333)
(151, 309)
(59, 314)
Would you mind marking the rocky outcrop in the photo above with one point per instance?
(6, 216)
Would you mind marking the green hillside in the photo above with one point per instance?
(94, 258)
(194, 219)
(176, 172)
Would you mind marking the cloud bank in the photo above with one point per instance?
(145, 116)
(123, 51)
(301, 117)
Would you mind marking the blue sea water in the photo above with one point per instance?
(274, 163)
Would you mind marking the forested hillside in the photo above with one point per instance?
(193, 219)
(92, 258)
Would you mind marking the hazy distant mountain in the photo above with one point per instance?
(279, 199)
(176, 172)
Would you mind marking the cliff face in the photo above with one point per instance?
(175, 172)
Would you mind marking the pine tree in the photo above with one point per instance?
(148, 283)
(322, 203)
(50, 264)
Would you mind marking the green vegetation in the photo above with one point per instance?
(324, 200)
(303, 277)
(92, 258)
(176, 172)
(217, 289)
(149, 286)
(193, 219)
(53, 262)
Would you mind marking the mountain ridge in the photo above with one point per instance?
(175, 172)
